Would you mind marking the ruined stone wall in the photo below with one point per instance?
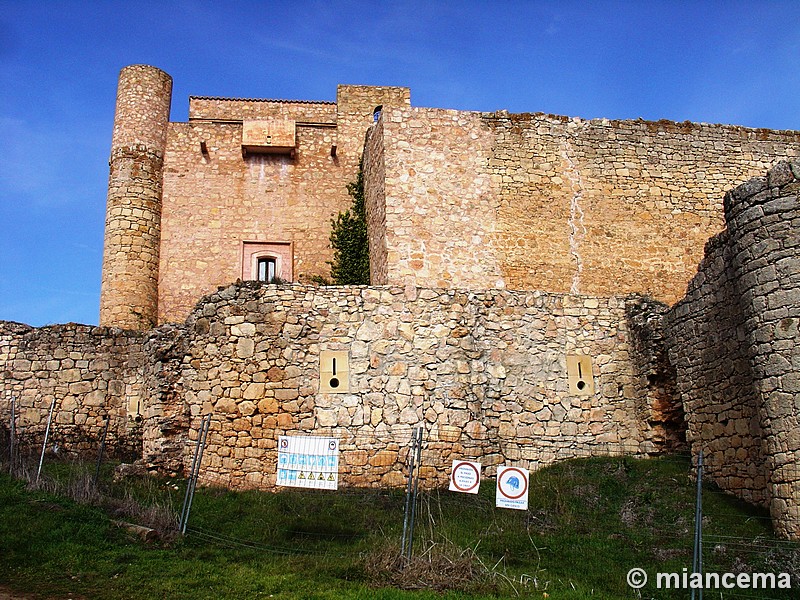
(708, 347)
(531, 201)
(92, 373)
(483, 372)
(763, 218)
(733, 342)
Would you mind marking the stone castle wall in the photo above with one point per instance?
(129, 291)
(456, 199)
(202, 108)
(216, 201)
(483, 372)
(92, 373)
(535, 201)
(438, 199)
(733, 342)
(709, 350)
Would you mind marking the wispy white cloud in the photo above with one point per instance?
(47, 165)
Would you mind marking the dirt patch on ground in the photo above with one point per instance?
(7, 594)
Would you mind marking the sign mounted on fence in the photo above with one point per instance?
(308, 461)
(512, 488)
(465, 477)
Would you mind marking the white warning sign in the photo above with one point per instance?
(512, 488)
(308, 461)
(465, 477)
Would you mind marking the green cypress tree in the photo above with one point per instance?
(350, 264)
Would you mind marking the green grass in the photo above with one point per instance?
(589, 521)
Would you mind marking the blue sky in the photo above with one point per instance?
(718, 62)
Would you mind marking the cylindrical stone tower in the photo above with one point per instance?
(763, 217)
(129, 292)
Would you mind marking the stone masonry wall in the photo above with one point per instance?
(375, 204)
(215, 201)
(129, 290)
(202, 108)
(483, 372)
(709, 350)
(763, 217)
(617, 206)
(733, 341)
(532, 201)
(92, 373)
(440, 208)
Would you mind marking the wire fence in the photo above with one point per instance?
(410, 508)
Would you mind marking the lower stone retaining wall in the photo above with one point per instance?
(91, 373)
(484, 373)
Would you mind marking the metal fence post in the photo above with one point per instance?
(46, 435)
(13, 433)
(412, 455)
(102, 449)
(697, 557)
(414, 460)
(198, 458)
(416, 488)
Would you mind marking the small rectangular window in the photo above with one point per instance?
(267, 261)
(267, 267)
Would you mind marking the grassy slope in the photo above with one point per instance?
(589, 521)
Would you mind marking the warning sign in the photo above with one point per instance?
(512, 488)
(465, 477)
(308, 461)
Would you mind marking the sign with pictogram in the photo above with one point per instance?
(512, 488)
(308, 461)
(465, 477)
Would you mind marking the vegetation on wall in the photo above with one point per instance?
(350, 264)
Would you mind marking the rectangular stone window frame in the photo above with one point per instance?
(258, 255)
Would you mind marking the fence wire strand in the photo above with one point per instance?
(720, 548)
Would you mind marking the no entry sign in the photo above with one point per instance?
(512, 488)
(465, 477)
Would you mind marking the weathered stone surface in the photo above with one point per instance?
(534, 201)
(73, 366)
(732, 340)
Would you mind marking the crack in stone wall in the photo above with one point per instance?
(577, 228)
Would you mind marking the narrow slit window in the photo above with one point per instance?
(267, 268)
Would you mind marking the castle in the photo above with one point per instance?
(517, 262)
